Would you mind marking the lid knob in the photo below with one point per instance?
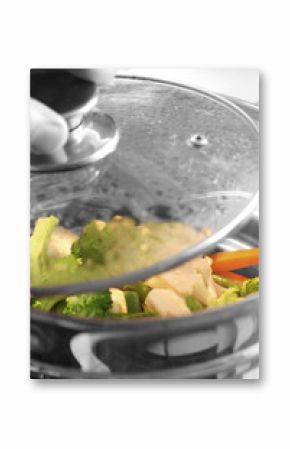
(75, 99)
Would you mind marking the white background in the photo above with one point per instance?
(206, 414)
(241, 83)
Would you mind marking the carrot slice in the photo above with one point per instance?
(234, 260)
(233, 276)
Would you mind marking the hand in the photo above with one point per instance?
(48, 130)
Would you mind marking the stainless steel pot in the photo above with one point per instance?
(213, 344)
(222, 343)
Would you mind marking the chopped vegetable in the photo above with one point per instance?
(59, 307)
(250, 286)
(133, 302)
(230, 296)
(193, 304)
(234, 260)
(112, 248)
(224, 281)
(43, 229)
(88, 305)
(93, 243)
(235, 277)
(141, 288)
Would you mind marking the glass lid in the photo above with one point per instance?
(184, 157)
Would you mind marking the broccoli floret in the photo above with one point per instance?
(38, 247)
(250, 286)
(93, 243)
(88, 305)
(230, 296)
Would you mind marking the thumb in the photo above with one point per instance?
(48, 132)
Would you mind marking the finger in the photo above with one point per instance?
(99, 76)
(48, 132)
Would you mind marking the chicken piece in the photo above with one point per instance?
(166, 303)
(157, 282)
(60, 242)
(119, 301)
(192, 278)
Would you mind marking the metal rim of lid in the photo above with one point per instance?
(190, 253)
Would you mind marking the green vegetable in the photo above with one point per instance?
(47, 304)
(193, 304)
(59, 307)
(93, 243)
(230, 296)
(46, 270)
(39, 240)
(88, 305)
(122, 246)
(250, 286)
(105, 250)
(133, 302)
(224, 282)
(139, 287)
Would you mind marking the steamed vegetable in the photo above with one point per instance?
(140, 288)
(110, 248)
(133, 302)
(94, 242)
(229, 281)
(39, 241)
(105, 250)
(250, 286)
(235, 277)
(230, 296)
(236, 293)
(234, 260)
(88, 305)
(193, 304)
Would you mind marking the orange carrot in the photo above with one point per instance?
(233, 276)
(234, 260)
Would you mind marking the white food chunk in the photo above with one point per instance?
(100, 224)
(192, 278)
(119, 301)
(60, 242)
(166, 303)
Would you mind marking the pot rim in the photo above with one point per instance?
(196, 320)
